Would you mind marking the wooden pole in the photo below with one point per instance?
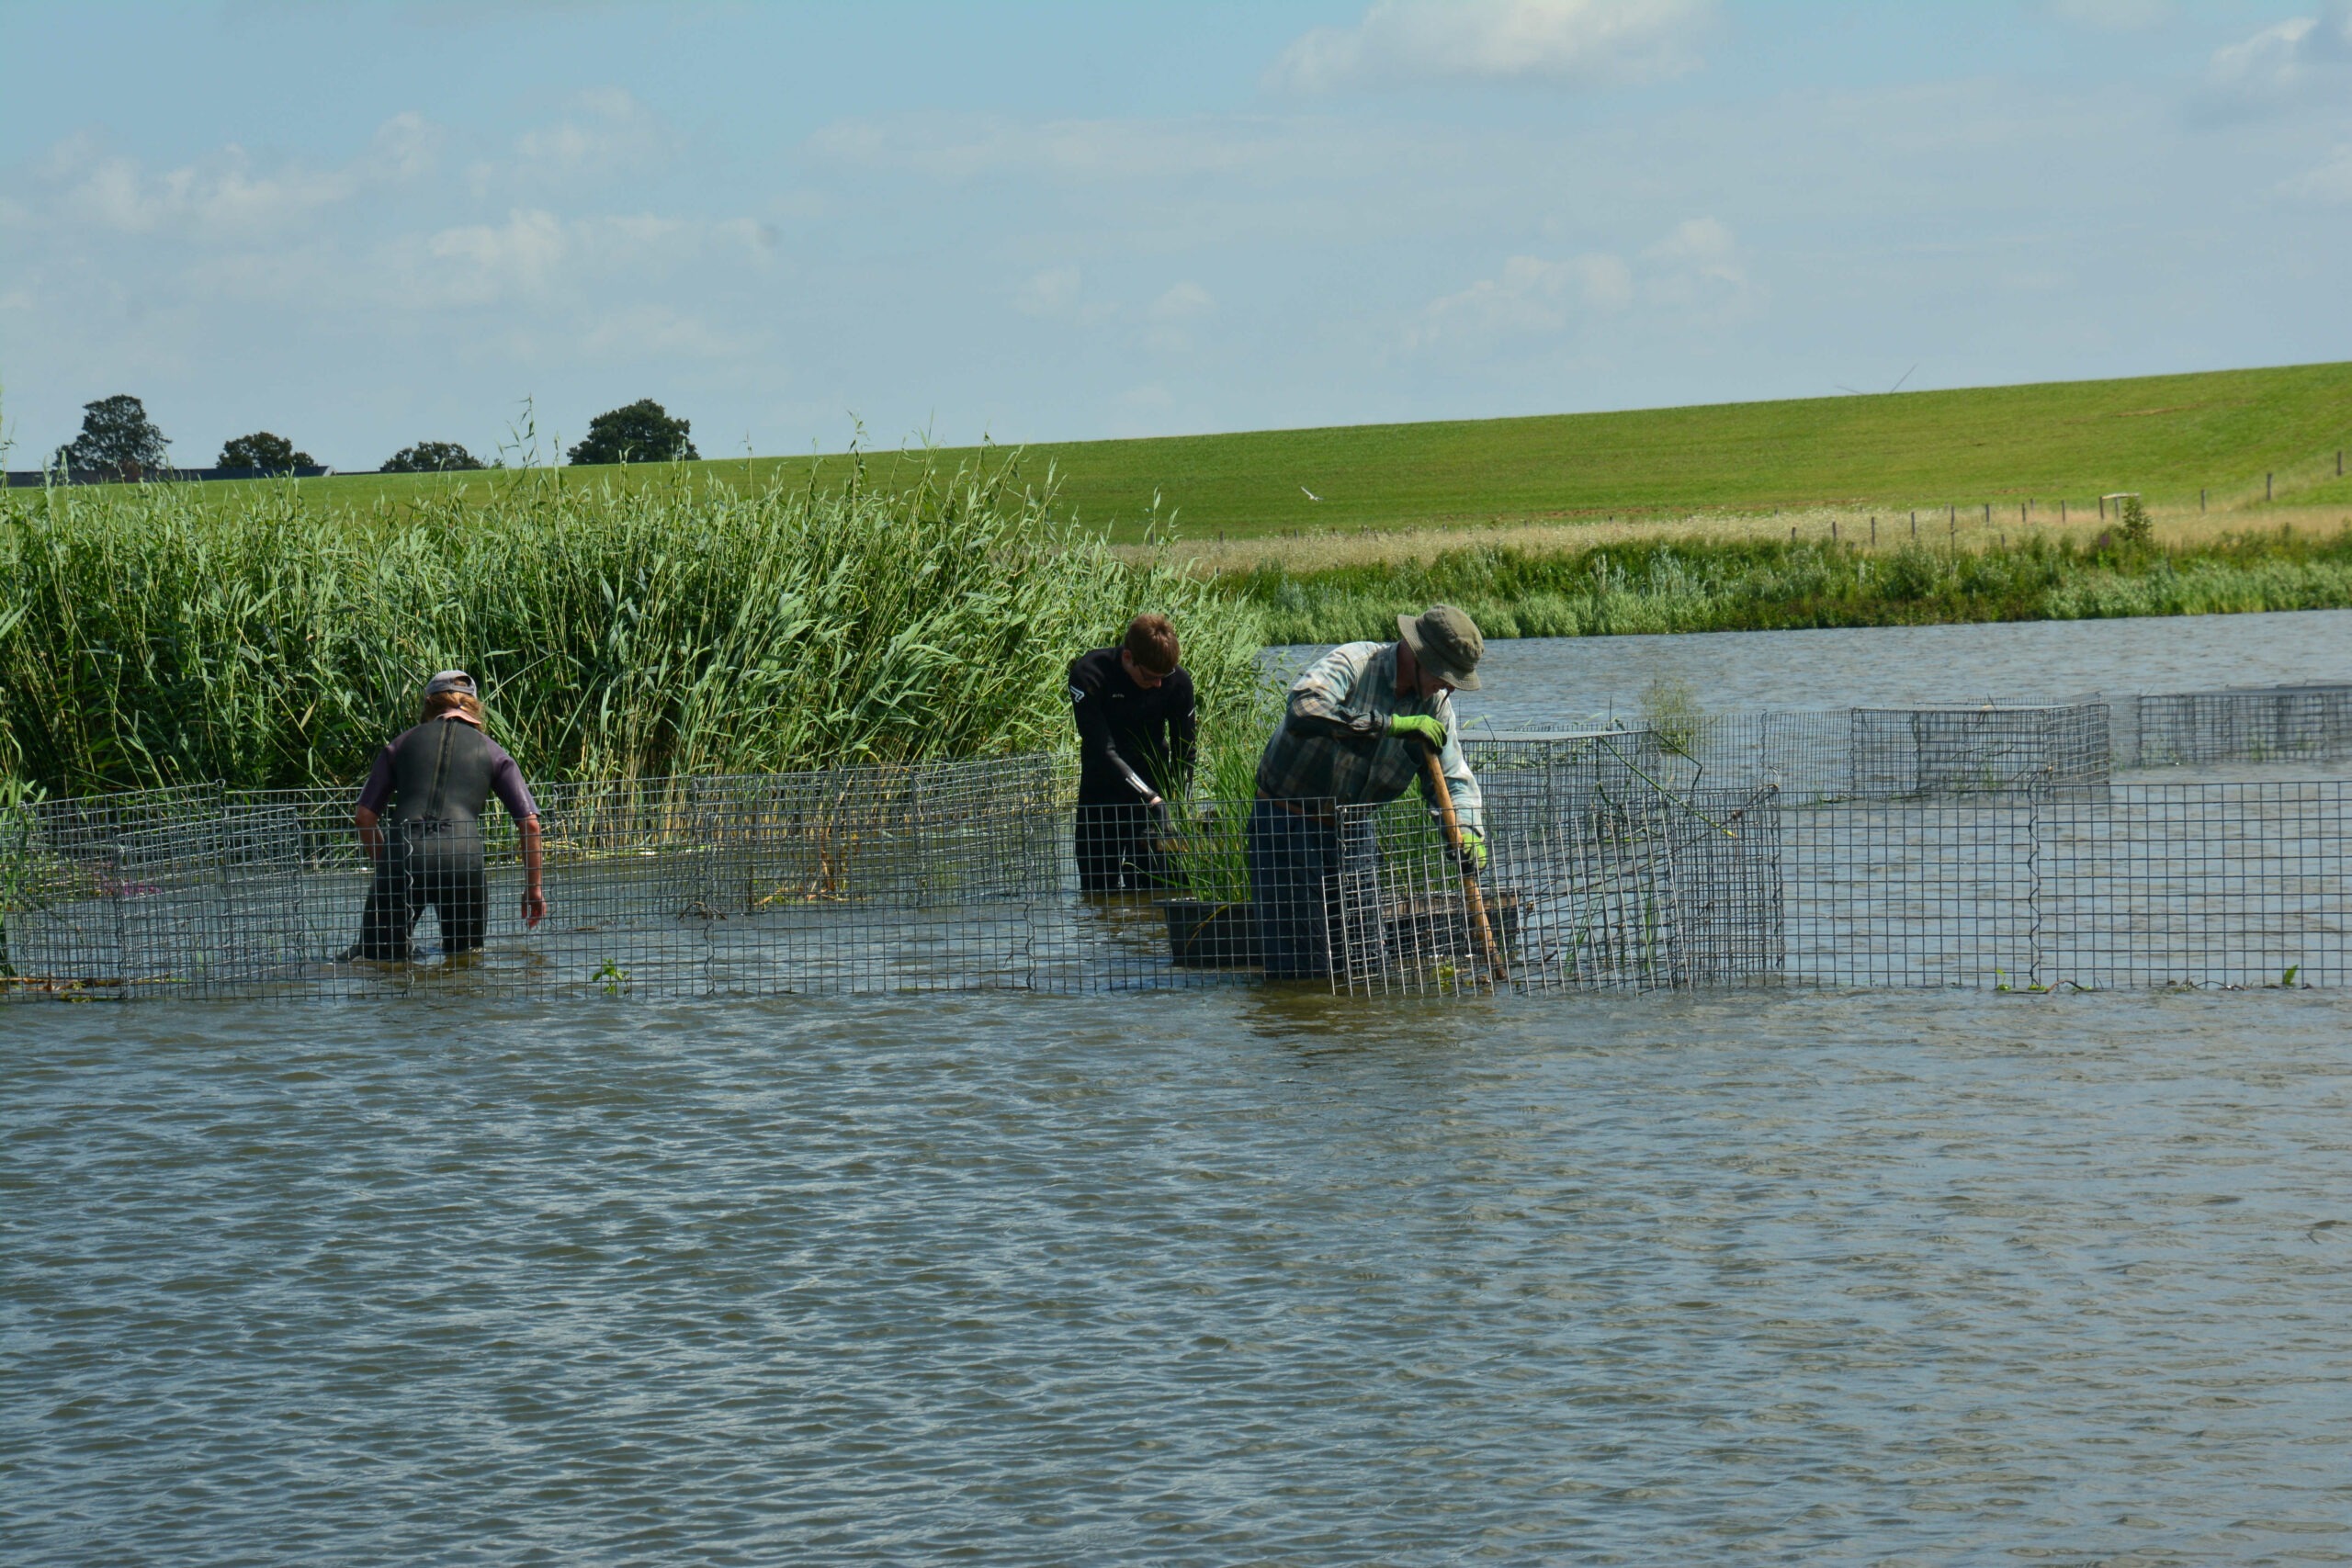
(1480, 933)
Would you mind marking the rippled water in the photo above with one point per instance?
(1211, 1277)
(1204, 1278)
(1533, 682)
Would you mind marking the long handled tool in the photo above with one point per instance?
(1480, 933)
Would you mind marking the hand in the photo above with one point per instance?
(535, 907)
(1420, 726)
(1473, 850)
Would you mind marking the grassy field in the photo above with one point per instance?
(2166, 437)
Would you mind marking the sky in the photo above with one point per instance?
(361, 226)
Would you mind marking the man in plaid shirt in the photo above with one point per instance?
(1352, 733)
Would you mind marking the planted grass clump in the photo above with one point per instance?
(1689, 585)
(149, 637)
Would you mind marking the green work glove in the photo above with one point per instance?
(1474, 851)
(1429, 731)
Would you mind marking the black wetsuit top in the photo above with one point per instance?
(445, 770)
(1153, 733)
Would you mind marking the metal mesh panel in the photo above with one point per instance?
(1980, 847)
(2255, 724)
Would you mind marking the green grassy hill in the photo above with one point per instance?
(2167, 437)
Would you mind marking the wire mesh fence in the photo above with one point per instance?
(2310, 723)
(1985, 847)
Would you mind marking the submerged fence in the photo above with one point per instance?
(1989, 847)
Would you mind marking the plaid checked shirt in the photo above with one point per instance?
(1333, 743)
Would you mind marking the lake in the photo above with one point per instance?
(1209, 1277)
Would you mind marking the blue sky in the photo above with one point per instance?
(361, 226)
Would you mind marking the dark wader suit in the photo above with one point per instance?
(432, 848)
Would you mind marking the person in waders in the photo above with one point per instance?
(437, 777)
(1136, 737)
(1356, 727)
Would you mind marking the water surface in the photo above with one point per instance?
(1534, 682)
(1199, 1278)
(1215, 1277)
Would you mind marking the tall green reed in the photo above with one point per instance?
(152, 636)
(1689, 586)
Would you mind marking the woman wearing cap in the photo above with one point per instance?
(438, 776)
(1354, 730)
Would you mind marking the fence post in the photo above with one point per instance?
(1873, 531)
(2201, 498)
(2033, 798)
(2265, 485)
(1915, 524)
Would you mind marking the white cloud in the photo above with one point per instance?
(1184, 300)
(1696, 273)
(1530, 295)
(614, 133)
(478, 263)
(1048, 293)
(658, 332)
(1173, 316)
(224, 197)
(2329, 184)
(2299, 57)
(963, 146)
(535, 253)
(1699, 266)
(407, 146)
(1571, 42)
(2113, 15)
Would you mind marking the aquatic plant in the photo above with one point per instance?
(148, 636)
(1689, 586)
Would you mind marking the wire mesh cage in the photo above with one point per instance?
(2311, 722)
(1985, 846)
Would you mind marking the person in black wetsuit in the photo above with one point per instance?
(1136, 743)
(437, 777)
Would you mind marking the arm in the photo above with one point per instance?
(1323, 700)
(1469, 802)
(371, 809)
(506, 779)
(535, 899)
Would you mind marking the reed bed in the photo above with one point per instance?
(149, 637)
(1719, 582)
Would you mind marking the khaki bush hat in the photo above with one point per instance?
(1447, 643)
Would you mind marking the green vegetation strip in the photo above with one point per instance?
(148, 635)
(2234, 435)
(152, 635)
(1687, 586)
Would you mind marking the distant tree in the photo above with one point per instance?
(117, 438)
(641, 433)
(431, 458)
(270, 453)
